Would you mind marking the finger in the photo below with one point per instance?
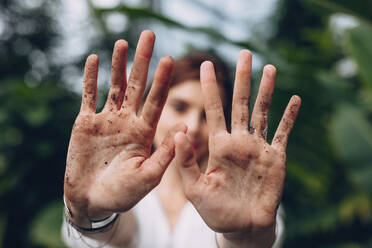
(212, 101)
(286, 124)
(138, 74)
(242, 85)
(89, 98)
(185, 158)
(164, 154)
(263, 101)
(118, 76)
(158, 93)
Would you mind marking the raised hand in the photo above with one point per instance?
(109, 167)
(242, 186)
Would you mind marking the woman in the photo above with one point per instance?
(234, 180)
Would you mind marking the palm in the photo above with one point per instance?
(109, 167)
(242, 185)
(241, 188)
(112, 146)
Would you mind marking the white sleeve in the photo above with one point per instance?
(141, 227)
(279, 230)
(74, 239)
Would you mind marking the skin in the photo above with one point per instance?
(240, 191)
(109, 166)
(185, 104)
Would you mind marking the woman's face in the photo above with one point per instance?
(185, 104)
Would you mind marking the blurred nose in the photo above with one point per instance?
(193, 123)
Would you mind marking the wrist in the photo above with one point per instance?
(262, 238)
(88, 221)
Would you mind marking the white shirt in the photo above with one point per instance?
(154, 230)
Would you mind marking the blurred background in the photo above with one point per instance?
(323, 52)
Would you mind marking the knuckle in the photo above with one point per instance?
(82, 122)
(243, 72)
(135, 77)
(154, 102)
(188, 159)
(243, 100)
(134, 87)
(166, 147)
(213, 105)
(142, 57)
(190, 192)
(152, 177)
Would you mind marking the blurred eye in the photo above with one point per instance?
(203, 116)
(179, 107)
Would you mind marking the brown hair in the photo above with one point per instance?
(188, 68)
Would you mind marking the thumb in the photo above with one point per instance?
(160, 159)
(185, 158)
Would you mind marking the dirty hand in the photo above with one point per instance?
(240, 191)
(109, 167)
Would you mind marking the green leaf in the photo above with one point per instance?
(351, 135)
(47, 224)
(7, 182)
(2, 227)
(37, 115)
(359, 46)
(360, 9)
(356, 205)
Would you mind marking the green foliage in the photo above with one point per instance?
(36, 114)
(360, 9)
(331, 204)
(358, 45)
(350, 122)
(46, 229)
(33, 146)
